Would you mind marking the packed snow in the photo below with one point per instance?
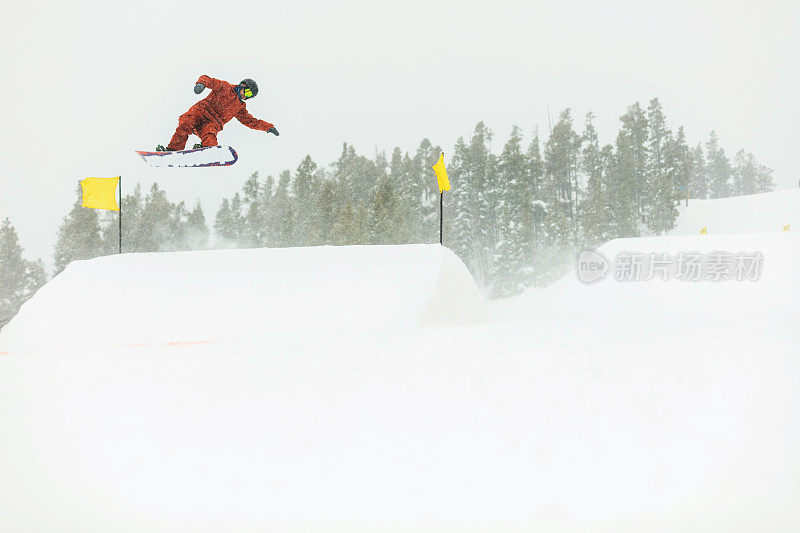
(371, 389)
(757, 213)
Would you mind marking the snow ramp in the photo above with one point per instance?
(209, 296)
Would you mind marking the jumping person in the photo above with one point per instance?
(207, 117)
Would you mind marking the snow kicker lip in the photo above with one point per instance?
(191, 158)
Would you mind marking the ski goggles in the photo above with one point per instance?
(247, 93)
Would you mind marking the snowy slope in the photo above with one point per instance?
(618, 406)
(767, 301)
(756, 213)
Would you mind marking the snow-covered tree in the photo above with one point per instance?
(19, 278)
(764, 180)
(662, 159)
(305, 187)
(594, 205)
(475, 193)
(510, 251)
(386, 220)
(719, 168)
(196, 233)
(698, 183)
(744, 174)
(78, 235)
(561, 181)
(622, 186)
(635, 129)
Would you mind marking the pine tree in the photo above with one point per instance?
(558, 228)
(405, 183)
(622, 186)
(465, 218)
(19, 278)
(237, 218)
(196, 229)
(78, 235)
(12, 273)
(509, 260)
(719, 168)
(594, 206)
(698, 185)
(659, 204)
(177, 224)
(764, 180)
(350, 226)
(160, 221)
(662, 211)
(680, 162)
(744, 174)
(223, 224)
(355, 177)
(133, 237)
(561, 181)
(229, 223)
(534, 212)
(281, 220)
(476, 197)
(386, 217)
(634, 128)
(253, 231)
(325, 215)
(304, 189)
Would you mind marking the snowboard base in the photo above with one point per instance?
(207, 156)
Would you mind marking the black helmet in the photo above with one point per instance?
(250, 84)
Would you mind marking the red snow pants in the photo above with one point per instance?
(195, 122)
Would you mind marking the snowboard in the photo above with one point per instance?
(207, 156)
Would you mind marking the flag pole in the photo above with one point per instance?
(441, 213)
(120, 214)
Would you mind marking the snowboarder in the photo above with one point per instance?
(207, 117)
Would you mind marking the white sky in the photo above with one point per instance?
(85, 84)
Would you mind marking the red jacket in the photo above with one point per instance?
(223, 104)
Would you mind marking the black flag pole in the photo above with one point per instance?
(441, 214)
(120, 214)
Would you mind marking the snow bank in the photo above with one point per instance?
(762, 302)
(208, 296)
(655, 406)
(755, 213)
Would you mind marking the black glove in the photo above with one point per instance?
(199, 88)
(273, 131)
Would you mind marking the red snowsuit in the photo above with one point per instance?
(207, 117)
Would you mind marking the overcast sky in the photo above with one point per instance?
(85, 84)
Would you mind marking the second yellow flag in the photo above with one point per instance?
(441, 174)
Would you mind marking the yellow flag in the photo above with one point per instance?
(441, 174)
(787, 227)
(704, 231)
(98, 193)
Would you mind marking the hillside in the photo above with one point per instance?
(756, 213)
(371, 389)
